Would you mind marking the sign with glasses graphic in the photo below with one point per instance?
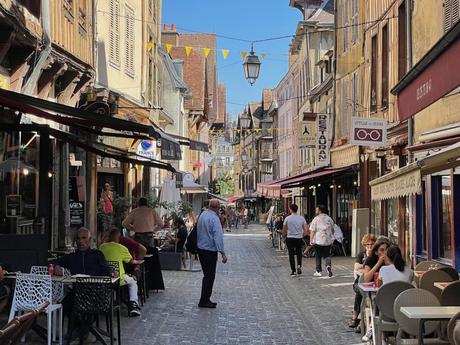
(368, 132)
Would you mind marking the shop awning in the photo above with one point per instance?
(408, 180)
(297, 181)
(86, 119)
(214, 196)
(193, 144)
(234, 198)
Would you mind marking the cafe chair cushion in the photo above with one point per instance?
(451, 294)
(414, 298)
(429, 278)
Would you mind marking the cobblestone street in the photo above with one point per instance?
(258, 302)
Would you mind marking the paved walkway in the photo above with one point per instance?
(258, 302)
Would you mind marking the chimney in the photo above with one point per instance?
(165, 27)
(173, 27)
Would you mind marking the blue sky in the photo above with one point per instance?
(245, 19)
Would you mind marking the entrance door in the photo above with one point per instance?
(25, 195)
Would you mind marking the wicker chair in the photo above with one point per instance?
(453, 330)
(451, 294)
(426, 266)
(385, 321)
(450, 271)
(429, 278)
(410, 327)
(93, 297)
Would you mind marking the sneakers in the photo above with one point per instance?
(317, 274)
(134, 309)
(293, 274)
(299, 270)
(353, 323)
(368, 336)
(329, 270)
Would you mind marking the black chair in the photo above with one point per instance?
(123, 297)
(93, 296)
(452, 272)
(450, 296)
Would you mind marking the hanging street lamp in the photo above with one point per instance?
(251, 66)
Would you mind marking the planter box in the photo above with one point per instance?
(170, 261)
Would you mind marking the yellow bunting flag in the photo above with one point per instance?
(238, 131)
(150, 45)
(211, 131)
(264, 55)
(243, 55)
(257, 130)
(269, 130)
(278, 129)
(168, 47)
(225, 53)
(229, 131)
(220, 131)
(206, 52)
(188, 50)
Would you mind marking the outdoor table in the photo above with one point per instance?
(429, 314)
(371, 289)
(442, 285)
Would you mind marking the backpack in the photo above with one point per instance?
(191, 244)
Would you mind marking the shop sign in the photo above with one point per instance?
(77, 200)
(368, 132)
(146, 149)
(322, 140)
(306, 134)
(13, 205)
(435, 81)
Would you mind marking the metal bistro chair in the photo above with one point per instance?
(450, 296)
(385, 321)
(31, 291)
(94, 297)
(429, 278)
(409, 328)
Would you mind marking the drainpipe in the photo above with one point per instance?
(410, 129)
(31, 84)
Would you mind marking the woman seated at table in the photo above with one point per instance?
(377, 258)
(367, 242)
(177, 244)
(395, 268)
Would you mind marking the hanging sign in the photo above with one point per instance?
(322, 140)
(306, 134)
(146, 149)
(77, 200)
(368, 132)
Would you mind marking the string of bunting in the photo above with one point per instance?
(206, 51)
(257, 131)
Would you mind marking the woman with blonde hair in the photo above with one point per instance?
(367, 242)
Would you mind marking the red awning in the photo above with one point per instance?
(292, 182)
(234, 198)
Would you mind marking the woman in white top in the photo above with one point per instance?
(395, 269)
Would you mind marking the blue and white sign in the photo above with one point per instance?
(146, 149)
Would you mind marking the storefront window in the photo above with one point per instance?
(393, 224)
(19, 176)
(445, 226)
(376, 217)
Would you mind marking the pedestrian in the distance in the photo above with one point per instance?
(322, 237)
(210, 242)
(294, 229)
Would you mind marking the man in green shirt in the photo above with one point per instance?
(114, 251)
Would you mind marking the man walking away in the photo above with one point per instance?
(210, 242)
(322, 237)
(294, 229)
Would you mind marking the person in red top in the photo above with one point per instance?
(136, 249)
(107, 199)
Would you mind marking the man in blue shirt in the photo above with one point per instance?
(210, 240)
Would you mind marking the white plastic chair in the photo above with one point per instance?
(31, 291)
(57, 287)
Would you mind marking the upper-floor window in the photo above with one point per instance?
(385, 67)
(114, 33)
(354, 21)
(82, 16)
(129, 42)
(345, 25)
(402, 40)
(374, 61)
(451, 13)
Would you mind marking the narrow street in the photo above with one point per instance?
(258, 302)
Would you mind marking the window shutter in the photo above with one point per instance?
(455, 11)
(114, 32)
(447, 14)
(129, 42)
(345, 26)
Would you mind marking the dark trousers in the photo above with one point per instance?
(294, 246)
(358, 298)
(322, 252)
(208, 261)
